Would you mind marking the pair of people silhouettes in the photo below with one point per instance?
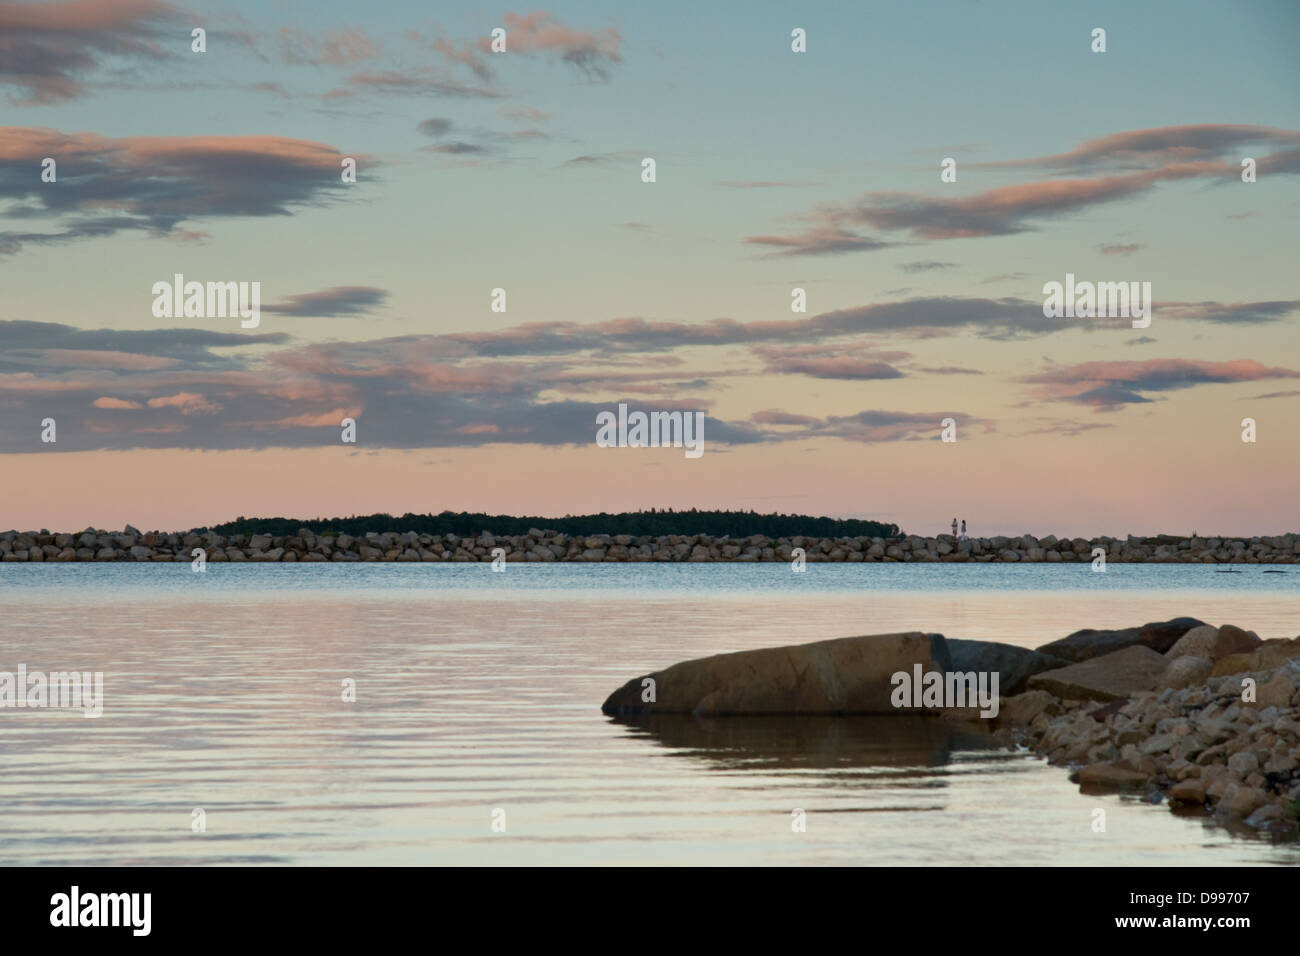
(963, 528)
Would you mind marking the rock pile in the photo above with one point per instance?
(1213, 723)
(542, 545)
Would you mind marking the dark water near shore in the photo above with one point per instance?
(479, 690)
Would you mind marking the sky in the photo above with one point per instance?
(774, 170)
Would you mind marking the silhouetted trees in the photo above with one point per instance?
(737, 524)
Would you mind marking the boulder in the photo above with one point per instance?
(1265, 817)
(1188, 792)
(1214, 643)
(1239, 801)
(1278, 691)
(1243, 762)
(1023, 708)
(1084, 645)
(1015, 665)
(1120, 674)
(1185, 671)
(849, 675)
(1266, 657)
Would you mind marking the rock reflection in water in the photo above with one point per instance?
(811, 743)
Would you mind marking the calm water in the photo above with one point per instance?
(479, 690)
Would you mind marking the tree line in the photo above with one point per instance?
(737, 524)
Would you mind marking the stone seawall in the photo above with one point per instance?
(541, 545)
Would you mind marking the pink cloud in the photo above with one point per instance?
(48, 50)
(188, 403)
(541, 32)
(1163, 155)
(775, 416)
(335, 48)
(1161, 145)
(1111, 384)
(325, 419)
(154, 183)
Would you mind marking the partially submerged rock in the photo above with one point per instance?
(1187, 793)
(1109, 778)
(1174, 723)
(849, 675)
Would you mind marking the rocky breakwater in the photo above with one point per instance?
(1206, 718)
(542, 545)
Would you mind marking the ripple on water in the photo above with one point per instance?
(477, 696)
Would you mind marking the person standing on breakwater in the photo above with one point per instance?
(954, 527)
(963, 529)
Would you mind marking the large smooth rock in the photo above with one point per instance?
(1015, 665)
(848, 675)
(1110, 677)
(1084, 645)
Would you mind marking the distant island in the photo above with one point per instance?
(653, 522)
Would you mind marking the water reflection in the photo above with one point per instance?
(810, 743)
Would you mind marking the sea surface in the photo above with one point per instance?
(478, 700)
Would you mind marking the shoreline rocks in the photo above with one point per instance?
(1210, 724)
(1217, 731)
(540, 545)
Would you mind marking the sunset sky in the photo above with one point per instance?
(775, 170)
